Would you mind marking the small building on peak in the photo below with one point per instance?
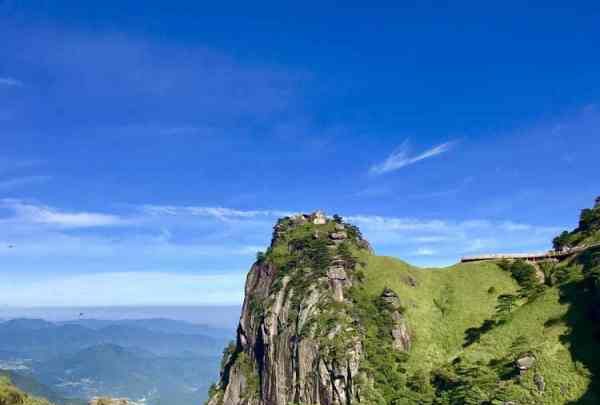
(318, 218)
(597, 202)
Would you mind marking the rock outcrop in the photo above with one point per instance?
(524, 363)
(400, 330)
(299, 339)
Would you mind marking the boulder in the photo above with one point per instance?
(525, 362)
(390, 297)
(339, 235)
(409, 280)
(400, 331)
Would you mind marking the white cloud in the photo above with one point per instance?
(397, 224)
(401, 158)
(404, 237)
(39, 214)
(214, 212)
(11, 82)
(183, 244)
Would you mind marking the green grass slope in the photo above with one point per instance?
(442, 306)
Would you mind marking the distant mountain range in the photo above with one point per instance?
(156, 325)
(41, 340)
(153, 361)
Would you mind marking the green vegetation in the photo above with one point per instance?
(588, 231)
(381, 362)
(472, 321)
(461, 354)
(524, 274)
(250, 373)
(10, 395)
(32, 387)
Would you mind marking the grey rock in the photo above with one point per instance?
(284, 350)
(538, 379)
(283, 355)
(400, 330)
(341, 235)
(410, 280)
(338, 280)
(525, 363)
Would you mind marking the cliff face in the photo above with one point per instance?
(300, 339)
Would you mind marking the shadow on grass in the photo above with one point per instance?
(583, 320)
(472, 335)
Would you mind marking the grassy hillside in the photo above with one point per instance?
(442, 304)
(467, 339)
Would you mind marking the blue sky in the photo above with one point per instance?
(147, 148)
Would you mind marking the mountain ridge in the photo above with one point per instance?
(317, 325)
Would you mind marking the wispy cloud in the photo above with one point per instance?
(446, 240)
(11, 82)
(9, 184)
(402, 157)
(39, 214)
(220, 213)
(201, 253)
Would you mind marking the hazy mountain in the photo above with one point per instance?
(116, 371)
(40, 340)
(160, 360)
(156, 325)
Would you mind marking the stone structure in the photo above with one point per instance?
(318, 218)
(531, 257)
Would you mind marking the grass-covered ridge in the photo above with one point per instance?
(471, 322)
(444, 304)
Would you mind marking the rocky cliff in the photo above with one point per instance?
(301, 338)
